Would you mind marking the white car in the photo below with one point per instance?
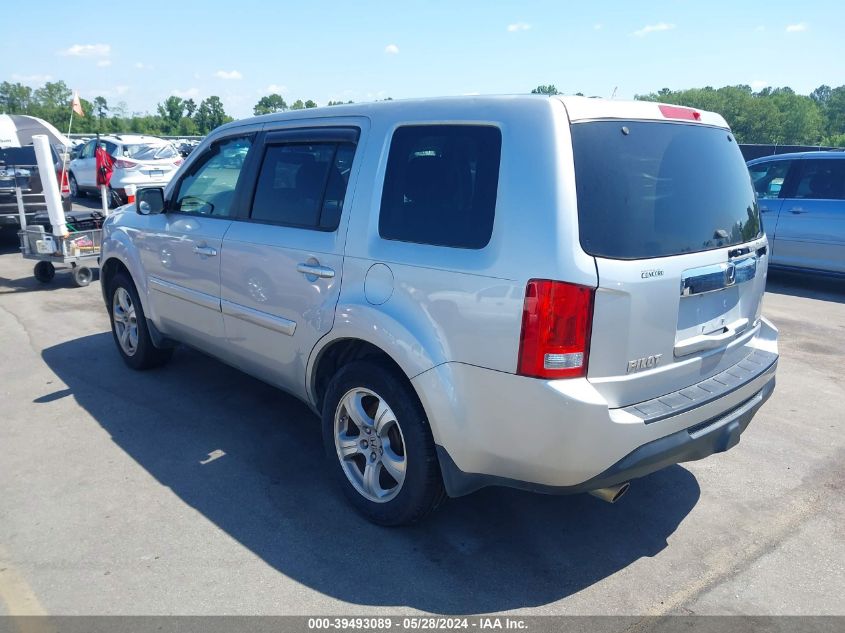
(143, 161)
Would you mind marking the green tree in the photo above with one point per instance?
(190, 107)
(187, 127)
(298, 105)
(53, 94)
(310, 104)
(549, 89)
(171, 113)
(269, 104)
(15, 98)
(210, 115)
(102, 107)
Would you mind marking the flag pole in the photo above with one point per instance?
(67, 150)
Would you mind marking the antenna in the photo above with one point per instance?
(613, 96)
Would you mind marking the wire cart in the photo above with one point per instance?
(80, 250)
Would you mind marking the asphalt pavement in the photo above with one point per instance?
(195, 489)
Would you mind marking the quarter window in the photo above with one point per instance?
(440, 185)
(303, 184)
(209, 188)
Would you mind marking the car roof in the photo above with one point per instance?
(577, 108)
(831, 154)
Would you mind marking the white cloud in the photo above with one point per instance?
(228, 74)
(143, 66)
(391, 49)
(797, 28)
(518, 26)
(654, 28)
(190, 93)
(87, 50)
(758, 84)
(121, 90)
(35, 79)
(103, 63)
(598, 27)
(276, 89)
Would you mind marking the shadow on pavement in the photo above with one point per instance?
(806, 285)
(271, 491)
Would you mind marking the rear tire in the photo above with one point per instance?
(129, 326)
(379, 445)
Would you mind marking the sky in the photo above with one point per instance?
(139, 53)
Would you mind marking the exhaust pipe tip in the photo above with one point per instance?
(611, 494)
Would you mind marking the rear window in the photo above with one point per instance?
(149, 152)
(651, 189)
(17, 156)
(440, 185)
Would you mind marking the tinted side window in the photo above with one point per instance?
(303, 184)
(768, 177)
(821, 180)
(88, 149)
(440, 185)
(209, 188)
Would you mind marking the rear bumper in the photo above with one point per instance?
(700, 441)
(560, 436)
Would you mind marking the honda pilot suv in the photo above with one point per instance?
(554, 294)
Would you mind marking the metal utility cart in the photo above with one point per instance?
(80, 250)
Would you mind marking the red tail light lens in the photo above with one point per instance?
(124, 164)
(61, 178)
(556, 322)
(178, 162)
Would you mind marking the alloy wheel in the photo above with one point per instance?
(125, 321)
(370, 445)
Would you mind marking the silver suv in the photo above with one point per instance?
(554, 294)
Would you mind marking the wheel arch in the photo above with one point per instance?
(118, 253)
(338, 352)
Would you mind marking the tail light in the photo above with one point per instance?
(125, 164)
(61, 178)
(178, 162)
(556, 322)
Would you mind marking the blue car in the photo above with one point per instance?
(802, 202)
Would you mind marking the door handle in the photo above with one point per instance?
(315, 270)
(205, 251)
(797, 210)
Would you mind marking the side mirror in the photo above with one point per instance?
(150, 201)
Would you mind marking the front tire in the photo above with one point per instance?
(379, 444)
(129, 326)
